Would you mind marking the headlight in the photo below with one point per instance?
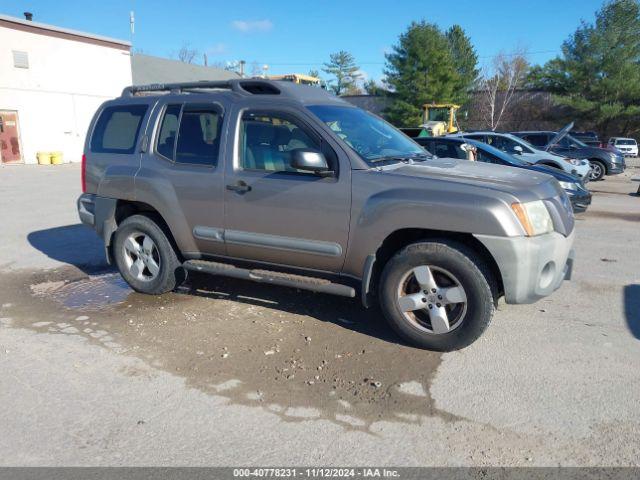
(572, 161)
(568, 186)
(534, 217)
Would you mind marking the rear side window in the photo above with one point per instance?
(190, 134)
(117, 129)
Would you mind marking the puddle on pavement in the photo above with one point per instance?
(297, 354)
(92, 293)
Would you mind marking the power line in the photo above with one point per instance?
(305, 64)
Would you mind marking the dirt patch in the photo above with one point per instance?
(299, 354)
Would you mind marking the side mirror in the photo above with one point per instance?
(518, 149)
(310, 161)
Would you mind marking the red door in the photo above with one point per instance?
(10, 151)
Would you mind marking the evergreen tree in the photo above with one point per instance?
(598, 73)
(342, 66)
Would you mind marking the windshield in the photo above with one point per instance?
(575, 141)
(625, 142)
(369, 136)
(522, 142)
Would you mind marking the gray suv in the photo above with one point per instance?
(286, 184)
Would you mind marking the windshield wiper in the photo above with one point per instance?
(402, 158)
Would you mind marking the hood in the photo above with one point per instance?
(559, 175)
(588, 152)
(515, 181)
(559, 136)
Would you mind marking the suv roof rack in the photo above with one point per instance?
(244, 86)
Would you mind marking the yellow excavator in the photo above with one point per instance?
(439, 118)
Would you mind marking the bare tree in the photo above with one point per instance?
(498, 85)
(187, 54)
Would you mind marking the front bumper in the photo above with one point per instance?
(580, 201)
(531, 267)
(616, 168)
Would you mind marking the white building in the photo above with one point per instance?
(52, 80)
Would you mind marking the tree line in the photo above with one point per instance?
(596, 77)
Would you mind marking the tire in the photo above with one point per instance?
(157, 268)
(598, 170)
(451, 264)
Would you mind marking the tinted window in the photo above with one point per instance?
(503, 143)
(198, 136)
(117, 129)
(488, 158)
(538, 140)
(168, 131)
(267, 140)
(449, 150)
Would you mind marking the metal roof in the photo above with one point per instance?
(146, 69)
(53, 28)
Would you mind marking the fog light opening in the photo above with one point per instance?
(546, 275)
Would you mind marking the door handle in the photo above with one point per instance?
(240, 187)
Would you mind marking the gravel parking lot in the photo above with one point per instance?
(225, 372)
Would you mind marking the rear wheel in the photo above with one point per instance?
(145, 257)
(437, 295)
(598, 170)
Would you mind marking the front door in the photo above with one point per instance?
(10, 151)
(277, 214)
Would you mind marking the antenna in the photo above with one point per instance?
(132, 23)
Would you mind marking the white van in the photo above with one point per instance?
(628, 146)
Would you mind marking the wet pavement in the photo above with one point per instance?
(227, 372)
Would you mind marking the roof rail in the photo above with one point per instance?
(244, 86)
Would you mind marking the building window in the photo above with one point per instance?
(20, 59)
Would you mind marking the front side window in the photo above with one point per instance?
(117, 129)
(267, 141)
(190, 134)
(539, 140)
(372, 138)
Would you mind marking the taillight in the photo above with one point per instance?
(83, 174)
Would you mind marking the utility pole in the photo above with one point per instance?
(205, 60)
(241, 63)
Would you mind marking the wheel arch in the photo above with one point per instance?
(400, 238)
(126, 208)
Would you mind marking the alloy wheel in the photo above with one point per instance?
(141, 256)
(432, 299)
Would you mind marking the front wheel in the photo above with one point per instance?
(598, 170)
(437, 295)
(145, 257)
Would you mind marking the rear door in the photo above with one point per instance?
(181, 174)
(274, 213)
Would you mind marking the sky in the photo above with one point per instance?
(296, 36)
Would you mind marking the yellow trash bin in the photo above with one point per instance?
(44, 158)
(56, 158)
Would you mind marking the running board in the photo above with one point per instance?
(275, 278)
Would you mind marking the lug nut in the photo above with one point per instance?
(439, 297)
(433, 290)
(438, 305)
(430, 306)
(424, 300)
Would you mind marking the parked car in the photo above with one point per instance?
(628, 146)
(455, 147)
(603, 162)
(514, 145)
(289, 185)
(588, 138)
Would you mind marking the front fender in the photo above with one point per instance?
(472, 211)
